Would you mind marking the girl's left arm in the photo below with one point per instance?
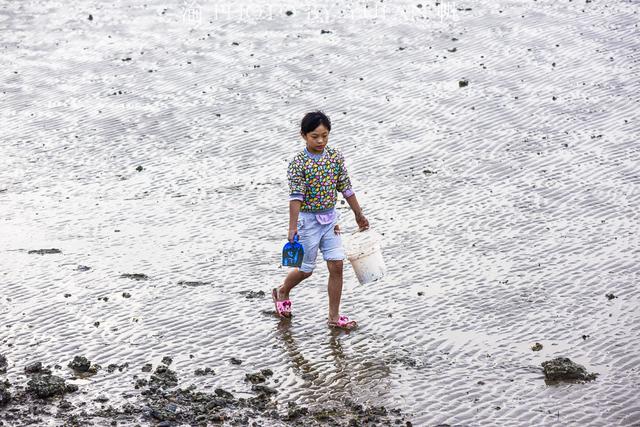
(362, 221)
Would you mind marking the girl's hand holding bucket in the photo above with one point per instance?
(362, 221)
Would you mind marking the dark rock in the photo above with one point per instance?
(80, 364)
(610, 296)
(45, 251)
(562, 368)
(45, 386)
(141, 382)
(536, 347)
(134, 276)
(5, 395)
(223, 393)
(235, 361)
(65, 405)
(289, 13)
(463, 83)
(83, 268)
(255, 378)
(139, 168)
(126, 295)
(294, 411)
(267, 372)
(90, 17)
(147, 367)
(113, 366)
(67, 295)
(163, 378)
(263, 389)
(33, 368)
(206, 371)
(167, 360)
(3, 364)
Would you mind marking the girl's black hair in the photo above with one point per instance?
(312, 120)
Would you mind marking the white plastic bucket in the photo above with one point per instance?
(365, 255)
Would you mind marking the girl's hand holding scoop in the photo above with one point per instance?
(292, 233)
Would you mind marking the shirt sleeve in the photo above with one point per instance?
(344, 183)
(295, 176)
(296, 196)
(347, 193)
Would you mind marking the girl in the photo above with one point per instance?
(315, 176)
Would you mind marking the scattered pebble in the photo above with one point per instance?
(134, 276)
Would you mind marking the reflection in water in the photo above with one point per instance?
(340, 373)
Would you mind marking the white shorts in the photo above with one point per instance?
(313, 235)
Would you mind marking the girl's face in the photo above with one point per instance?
(317, 139)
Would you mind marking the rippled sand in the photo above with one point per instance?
(509, 207)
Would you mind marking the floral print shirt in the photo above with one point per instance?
(316, 179)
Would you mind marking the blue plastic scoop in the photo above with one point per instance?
(292, 253)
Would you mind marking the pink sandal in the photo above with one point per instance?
(343, 323)
(283, 308)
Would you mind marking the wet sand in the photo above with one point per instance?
(146, 141)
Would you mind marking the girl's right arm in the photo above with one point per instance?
(294, 211)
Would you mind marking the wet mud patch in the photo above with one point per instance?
(45, 251)
(160, 401)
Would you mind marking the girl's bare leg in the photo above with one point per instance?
(293, 278)
(334, 288)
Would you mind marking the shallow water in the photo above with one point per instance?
(511, 212)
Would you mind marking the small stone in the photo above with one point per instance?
(263, 389)
(610, 296)
(147, 368)
(255, 378)
(33, 368)
(139, 168)
(463, 83)
(223, 393)
(167, 360)
(126, 295)
(5, 395)
(90, 17)
(235, 361)
(206, 371)
(80, 364)
(536, 347)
